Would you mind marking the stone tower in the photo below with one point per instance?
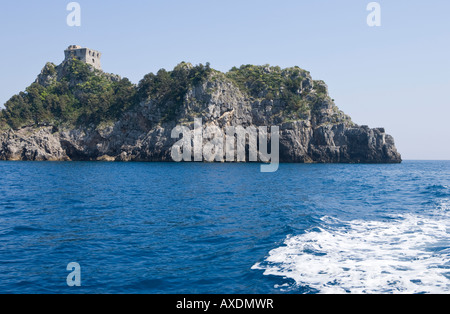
(89, 56)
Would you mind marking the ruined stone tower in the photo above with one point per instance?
(91, 57)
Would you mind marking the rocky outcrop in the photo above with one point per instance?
(321, 135)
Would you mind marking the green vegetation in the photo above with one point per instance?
(320, 87)
(272, 83)
(170, 88)
(76, 94)
(81, 96)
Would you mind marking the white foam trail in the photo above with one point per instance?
(408, 254)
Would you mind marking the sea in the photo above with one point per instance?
(197, 228)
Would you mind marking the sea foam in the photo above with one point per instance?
(404, 254)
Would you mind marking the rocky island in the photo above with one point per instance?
(75, 111)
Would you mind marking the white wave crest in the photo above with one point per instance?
(407, 254)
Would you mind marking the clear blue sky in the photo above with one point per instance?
(396, 75)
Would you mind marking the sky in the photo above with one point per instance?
(396, 75)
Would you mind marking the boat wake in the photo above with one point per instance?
(403, 254)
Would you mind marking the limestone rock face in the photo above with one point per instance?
(321, 135)
(31, 144)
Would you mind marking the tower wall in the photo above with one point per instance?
(89, 56)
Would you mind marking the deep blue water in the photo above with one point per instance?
(225, 228)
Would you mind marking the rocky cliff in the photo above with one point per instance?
(73, 112)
